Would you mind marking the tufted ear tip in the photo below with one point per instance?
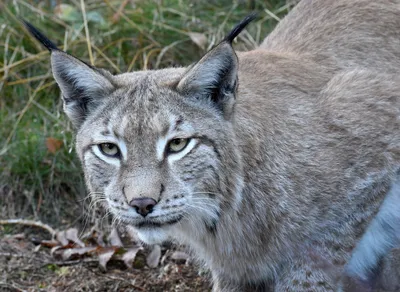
(214, 77)
(48, 44)
(82, 85)
(240, 26)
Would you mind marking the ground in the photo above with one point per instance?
(24, 267)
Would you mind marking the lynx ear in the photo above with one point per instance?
(215, 76)
(83, 87)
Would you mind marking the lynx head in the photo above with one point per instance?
(157, 147)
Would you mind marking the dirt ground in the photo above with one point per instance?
(25, 267)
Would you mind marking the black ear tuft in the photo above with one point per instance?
(39, 36)
(238, 28)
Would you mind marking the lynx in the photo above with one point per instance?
(279, 167)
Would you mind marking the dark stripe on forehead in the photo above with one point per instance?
(105, 133)
(177, 123)
(106, 121)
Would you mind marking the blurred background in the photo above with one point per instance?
(40, 175)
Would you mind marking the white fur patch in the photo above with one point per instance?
(160, 147)
(153, 236)
(381, 236)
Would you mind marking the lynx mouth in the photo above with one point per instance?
(156, 224)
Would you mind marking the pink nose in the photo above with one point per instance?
(143, 206)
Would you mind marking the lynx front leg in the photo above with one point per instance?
(308, 276)
(221, 285)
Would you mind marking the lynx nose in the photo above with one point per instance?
(143, 206)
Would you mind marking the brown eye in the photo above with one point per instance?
(109, 149)
(177, 145)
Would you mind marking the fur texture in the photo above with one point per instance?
(289, 150)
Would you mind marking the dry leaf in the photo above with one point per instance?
(49, 243)
(104, 255)
(114, 239)
(72, 235)
(55, 252)
(53, 144)
(72, 253)
(130, 255)
(62, 238)
(154, 256)
(199, 39)
(97, 236)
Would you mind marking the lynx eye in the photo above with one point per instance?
(109, 149)
(177, 145)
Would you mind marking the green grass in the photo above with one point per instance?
(147, 34)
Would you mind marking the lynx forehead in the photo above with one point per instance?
(279, 167)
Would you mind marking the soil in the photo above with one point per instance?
(25, 267)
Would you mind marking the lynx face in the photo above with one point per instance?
(157, 147)
(157, 156)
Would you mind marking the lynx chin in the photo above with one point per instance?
(279, 167)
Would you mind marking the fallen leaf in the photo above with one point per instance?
(53, 144)
(49, 243)
(73, 253)
(98, 237)
(114, 239)
(55, 252)
(104, 255)
(153, 259)
(199, 39)
(62, 238)
(130, 255)
(72, 235)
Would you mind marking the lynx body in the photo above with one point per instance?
(279, 167)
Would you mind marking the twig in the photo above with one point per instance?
(29, 223)
(71, 263)
(87, 33)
